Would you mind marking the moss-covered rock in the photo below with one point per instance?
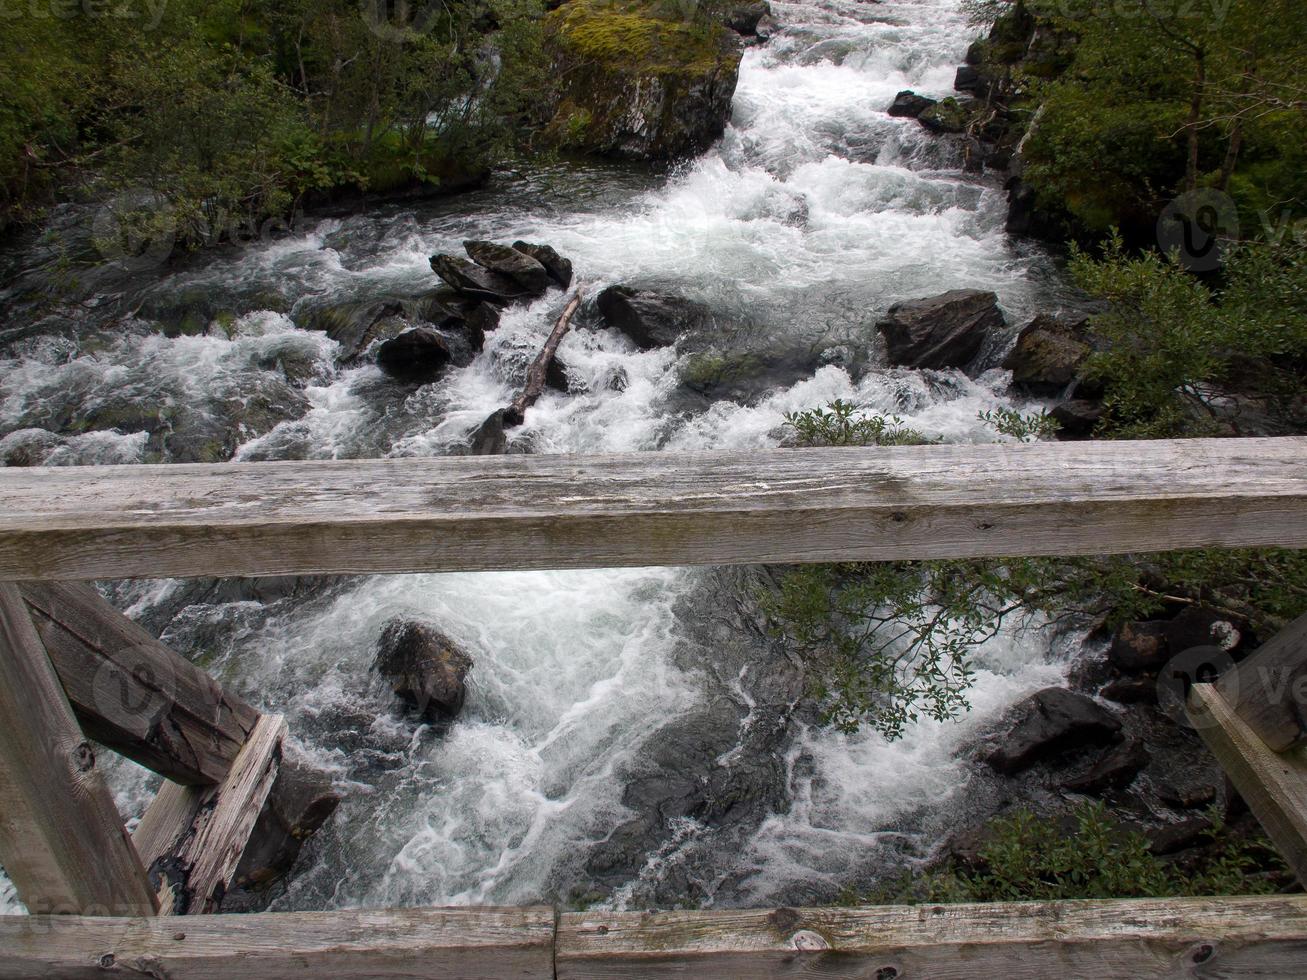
(637, 80)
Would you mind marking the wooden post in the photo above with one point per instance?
(132, 693)
(61, 838)
(1269, 689)
(193, 837)
(1273, 784)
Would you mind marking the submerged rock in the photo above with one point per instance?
(1048, 355)
(908, 104)
(1049, 722)
(356, 325)
(648, 318)
(425, 668)
(942, 331)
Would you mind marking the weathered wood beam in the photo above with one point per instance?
(194, 837)
(1087, 940)
(815, 505)
(1273, 784)
(62, 841)
(1269, 689)
(132, 693)
(464, 943)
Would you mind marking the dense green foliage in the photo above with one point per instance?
(1176, 349)
(1161, 98)
(1026, 858)
(232, 111)
(891, 642)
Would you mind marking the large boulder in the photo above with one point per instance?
(424, 667)
(518, 266)
(649, 319)
(942, 331)
(559, 268)
(948, 116)
(1049, 722)
(908, 104)
(1048, 355)
(471, 280)
(416, 355)
(1140, 648)
(635, 84)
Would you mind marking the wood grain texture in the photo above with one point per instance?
(1269, 689)
(61, 838)
(449, 944)
(1222, 937)
(480, 513)
(132, 693)
(1273, 784)
(206, 858)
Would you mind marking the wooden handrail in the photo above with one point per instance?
(518, 512)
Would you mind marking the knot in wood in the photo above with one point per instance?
(806, 941)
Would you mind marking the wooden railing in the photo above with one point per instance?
(61, 840)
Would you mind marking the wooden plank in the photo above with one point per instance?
(450, 944)
(478, 513)
(132, 693)
(1274, 784)
(62, 841)
(195, 860)
(1269, 689)
(1264, 937)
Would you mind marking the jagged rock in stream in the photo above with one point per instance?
(1049, 352)
(941, 331)
(721, 765)
(648, 318)
(1048, 722)
(559, 268)
(1077, 417)
(490, 438)
(470, 279)
(910, 105)
(639, 85)
(302, 799)
(425, 668)
(504, 260)
(415, 355)
(744, 18)
(355, 326)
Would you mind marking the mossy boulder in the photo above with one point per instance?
(638, 80)
(948, 116)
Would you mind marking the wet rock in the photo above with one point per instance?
(1048, 355)
(744, 18)
(971, 79)
(1186, 796)
(1115, 770)
(1131, 690)
(941, 331)
(1181, 836)
(424, 667)
(355, 326)
(473, 281)
(556, 376)
(415, 355)
(28, 447)
(1077, 417)
(518, 266)
(559, 268)
(650, 319)
(908, 104)
(1199, 626)
(1140, 648)
(1049, 722)
(302, 799)
(489, 438)
(947, 116)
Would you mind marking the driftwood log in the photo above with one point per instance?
(515, 414)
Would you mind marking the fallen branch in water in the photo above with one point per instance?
(515, 414)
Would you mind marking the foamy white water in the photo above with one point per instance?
(814, 213)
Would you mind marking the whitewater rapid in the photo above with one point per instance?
(813, 214)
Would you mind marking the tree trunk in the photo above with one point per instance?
(515, 414)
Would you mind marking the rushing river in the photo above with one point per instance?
(813, 214)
